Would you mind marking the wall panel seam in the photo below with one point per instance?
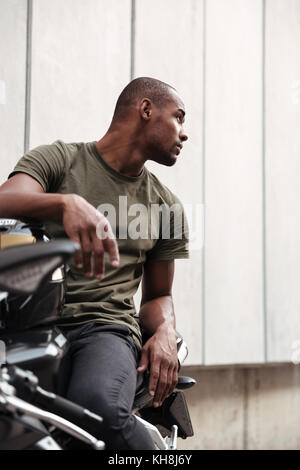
(203, 174)
(264, 251)
(28, 75)
(132, 39)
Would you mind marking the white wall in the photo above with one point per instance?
(237, 67)
(282, 176)
(13, 18)
(233, 182)
(80, 62)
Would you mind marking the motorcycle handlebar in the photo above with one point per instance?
(68, 410)
(17, 405)
(27, 388)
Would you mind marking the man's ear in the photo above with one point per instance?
(146, 109)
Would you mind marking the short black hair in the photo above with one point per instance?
(143, 87)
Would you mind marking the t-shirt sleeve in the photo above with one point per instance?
(173, 241)
(46, 164)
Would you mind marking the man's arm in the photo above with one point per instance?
(157, 318)
(22, 196)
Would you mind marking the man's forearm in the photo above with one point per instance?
(38, 206)
(157, 312)
(79, 218)
(160, 351)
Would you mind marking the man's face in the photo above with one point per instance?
(166, 136)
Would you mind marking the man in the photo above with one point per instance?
(63, 185)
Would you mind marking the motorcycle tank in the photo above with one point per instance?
(43, 307)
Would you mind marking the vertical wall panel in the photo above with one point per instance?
(13, 19)
(282, 176)
(80, 63)
(169, 47)
(233, 183)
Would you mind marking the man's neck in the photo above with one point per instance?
(122, 152)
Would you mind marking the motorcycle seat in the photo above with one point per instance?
(25, 254)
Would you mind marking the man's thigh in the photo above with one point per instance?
(99, 370)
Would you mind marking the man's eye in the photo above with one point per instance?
(179, 117)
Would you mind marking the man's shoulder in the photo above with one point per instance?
(54, 148)
(69, 146)
(164, 191)
(67, 151)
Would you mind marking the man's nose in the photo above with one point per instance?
(183, 136)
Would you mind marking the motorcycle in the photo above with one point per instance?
(32, 416)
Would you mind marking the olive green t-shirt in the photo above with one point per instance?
(142, 233)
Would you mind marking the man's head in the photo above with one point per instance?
(156, 112)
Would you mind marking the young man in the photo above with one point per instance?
(63, 185)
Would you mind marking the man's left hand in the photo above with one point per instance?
(161, 352)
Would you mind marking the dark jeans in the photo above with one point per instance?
(98, 372)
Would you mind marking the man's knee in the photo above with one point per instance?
(115, 416)
(113, 412)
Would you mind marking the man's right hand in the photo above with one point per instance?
(23, 196)
(81, 222)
